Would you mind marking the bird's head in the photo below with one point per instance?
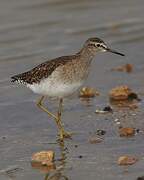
(97, 45)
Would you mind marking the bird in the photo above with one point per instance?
(61, 77)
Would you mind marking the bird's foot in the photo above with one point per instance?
(63, 135)
(67, 134)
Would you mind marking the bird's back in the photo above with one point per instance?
(41, 71)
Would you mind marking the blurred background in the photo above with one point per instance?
(33, 31)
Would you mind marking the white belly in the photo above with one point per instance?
(54, 89)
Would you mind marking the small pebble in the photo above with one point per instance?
(80, 156)
(43, 157)
(116, 120)
(118, 123)
(108, 109)
(105, 110)
(100, 132)
(127, 160)
(95, 140)
(100, 111)
(137, 130)
(88, 92)
(4, 137)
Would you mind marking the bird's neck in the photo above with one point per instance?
(86, 55)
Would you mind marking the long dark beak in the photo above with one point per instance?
(115, 52)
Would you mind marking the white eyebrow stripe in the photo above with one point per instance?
(104, 46)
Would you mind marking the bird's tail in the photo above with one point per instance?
(14, 78)
(19, 78)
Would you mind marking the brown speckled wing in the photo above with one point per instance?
(41, 71)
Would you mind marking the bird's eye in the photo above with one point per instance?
(98, 45)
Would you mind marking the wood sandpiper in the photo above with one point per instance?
(62, 76)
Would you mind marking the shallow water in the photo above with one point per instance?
(33, 31)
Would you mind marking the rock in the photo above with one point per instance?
(127, 160)
(95, 140)
(98, 111)
(117, 121)
(128, 68)
(140, 178)
(105, 110)
(121, 93)
(126, 131)
(44, 157)
(108, 109)
(125, 68)
(100, 132)
(87, 92)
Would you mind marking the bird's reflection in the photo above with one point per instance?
(86, 101)
(58, 174)
(55, 170)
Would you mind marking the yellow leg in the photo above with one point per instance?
(41, 106)
(62, 133)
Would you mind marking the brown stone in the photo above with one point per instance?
(127, 131)
(121, 93)
(43, 157)
(125, 68)
(87, 92)
(95, 140)
(127, 160)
